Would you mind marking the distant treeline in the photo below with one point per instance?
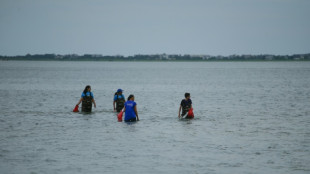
(157, 57)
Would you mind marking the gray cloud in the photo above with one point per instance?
(215, 27)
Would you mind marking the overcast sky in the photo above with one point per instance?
(129, 27)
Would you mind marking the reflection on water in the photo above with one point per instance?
(250, 117)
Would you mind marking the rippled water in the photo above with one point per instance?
(250, 117)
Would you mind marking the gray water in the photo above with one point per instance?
(250, 117)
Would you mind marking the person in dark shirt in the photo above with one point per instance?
(185, 106)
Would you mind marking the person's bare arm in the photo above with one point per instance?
(81, 99)
(180, 111)
(94, 102)
(135, 109)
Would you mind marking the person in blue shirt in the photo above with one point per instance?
(87, 99)
(119, 100)
(130, 109)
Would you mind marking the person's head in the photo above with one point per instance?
(87, 89)
(131, 97)
(187, 95)
(120, 91)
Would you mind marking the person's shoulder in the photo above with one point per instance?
(129, 102)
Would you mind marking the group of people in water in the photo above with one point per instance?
(129, 107)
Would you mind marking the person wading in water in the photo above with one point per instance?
(130, 109)
(87, 99)
(119, 100)
(185, 106)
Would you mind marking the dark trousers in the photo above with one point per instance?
(131, 120)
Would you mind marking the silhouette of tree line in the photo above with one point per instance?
(156, 57)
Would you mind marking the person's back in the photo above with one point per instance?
(131, 113)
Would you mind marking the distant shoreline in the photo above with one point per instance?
(157, 58)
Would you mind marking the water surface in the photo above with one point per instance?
(250, 117)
